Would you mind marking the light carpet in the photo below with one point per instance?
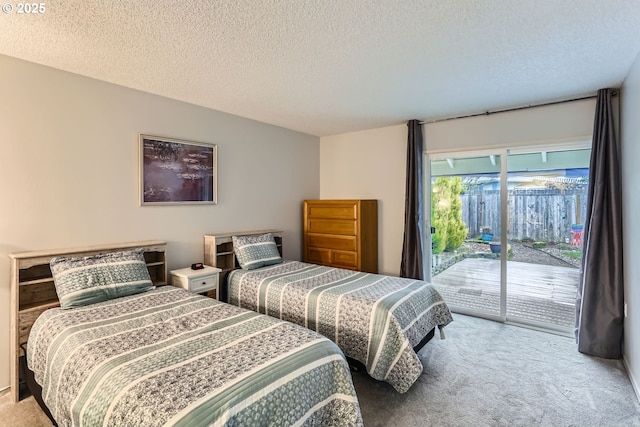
(487, 373)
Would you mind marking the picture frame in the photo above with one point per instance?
(175, 171)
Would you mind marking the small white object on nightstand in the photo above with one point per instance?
(198, 281)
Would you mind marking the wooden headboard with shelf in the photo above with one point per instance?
(218, 252)
(33, 290)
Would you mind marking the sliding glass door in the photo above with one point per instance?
(466, 220)
(546, 207)
(507, 232)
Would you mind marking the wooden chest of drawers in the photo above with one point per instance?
(341, 233)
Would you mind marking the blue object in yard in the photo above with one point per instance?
(487, 237)
(576, 227)
(495, 248)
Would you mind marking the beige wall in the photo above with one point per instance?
(372, 163)
(69, 171)
(630, 148)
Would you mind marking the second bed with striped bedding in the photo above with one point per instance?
(375, 319)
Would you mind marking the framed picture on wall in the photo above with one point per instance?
(173, 171)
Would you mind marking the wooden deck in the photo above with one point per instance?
(541, 293)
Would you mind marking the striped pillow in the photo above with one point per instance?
(92, 279)
(256, 251)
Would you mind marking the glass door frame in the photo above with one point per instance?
(503, 152)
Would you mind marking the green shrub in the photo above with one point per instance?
(446, 214)
(457, 231)
(437, 241)
(539, 245)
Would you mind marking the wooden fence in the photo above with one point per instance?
(544, 215)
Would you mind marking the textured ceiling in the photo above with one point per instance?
(326, 67)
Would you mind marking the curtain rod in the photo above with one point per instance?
(487, 113)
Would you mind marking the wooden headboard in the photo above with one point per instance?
(218, 252)
(33, 290)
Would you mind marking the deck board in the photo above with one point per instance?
(534, 292)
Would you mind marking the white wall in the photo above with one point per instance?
(372, 163)
(69, 172)
(553, 124)
(630, 148)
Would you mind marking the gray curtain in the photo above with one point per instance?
(599, 302)
(411, 265)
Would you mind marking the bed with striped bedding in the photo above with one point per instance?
(170, 357)
(375, 319)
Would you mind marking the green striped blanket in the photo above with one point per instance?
(374, 319)
(169, 357)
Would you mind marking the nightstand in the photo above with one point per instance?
(198, 281)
